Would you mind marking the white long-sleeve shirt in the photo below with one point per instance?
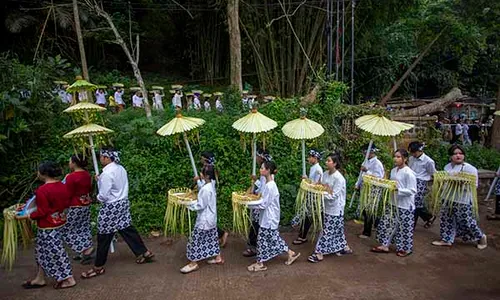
(137, 101)
(423, 166)
(465, 197)
(100, 97)
(315, 173)
(270, 206)
(207, 106)
(118, 97)
(374, 167)
(196, 103)
(407, 187)
(206, 208)
(335, 203)
(112, 184)
(177, 100)
(218, 105)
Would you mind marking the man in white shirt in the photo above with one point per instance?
(177, 100)
(114, 215)
(459, 130)
(374, 167)
(118, 96)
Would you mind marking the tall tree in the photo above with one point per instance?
(234, 43)
(132, 53)
(79, 36)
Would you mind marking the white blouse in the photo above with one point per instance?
(100, 97)
(118, 97)
(270, 206)
(112, 184)
(206, 208)
(465, 197)
(315, 172)
(335, 203)
(423, 166)
(137, 101)
(407, 187)
(374, 167)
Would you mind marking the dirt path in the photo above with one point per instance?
(460, 272)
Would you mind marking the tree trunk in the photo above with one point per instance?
(408, 72)
(79, 36)
(435, 106)
(495, 135)
(234, 43)
(134, 61)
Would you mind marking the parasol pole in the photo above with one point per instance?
(304, 158)
(492, 186)
(254, 153)
(394, 143)
(195, 172)
(361, 172)
(94, 157)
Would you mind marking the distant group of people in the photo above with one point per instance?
(466, 131)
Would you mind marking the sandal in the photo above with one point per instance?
(291, 259)
(93, 273)
(299, 241)
(59, 285)
(86, 259)
(256, 267)
(249, 253)
(429, 223)
(189, 268)
(441, 243)
(379, 249)
(403, 253)
(223, 239)
(146, 257)
(28, 285)
(345, 251)
(313, 258)
(214, 261)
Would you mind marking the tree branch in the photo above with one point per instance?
(286, 14)
(189, 13)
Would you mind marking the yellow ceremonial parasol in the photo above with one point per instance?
(85, 107)
(303, 129)
(381, 126)
(82, 87)
(254, 122)
(181, 124)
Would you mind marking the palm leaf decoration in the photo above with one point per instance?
(12, 229)
(447, 187)
(177, 215)
(241, 218)
(376, 196)
(81, 84)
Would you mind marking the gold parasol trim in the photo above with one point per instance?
(85, 130)
(81, 84)
(381, 126)
(302, 129)
(180, 124)
(254, 122)
(84, 106)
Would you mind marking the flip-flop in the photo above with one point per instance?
(256, 268)
(28, 285)
(142, 259)
(313, 258)
(403, 253)
(378, 250)
(215, 262)
(292, 259)
(429, 223)
(93, 273)
(249, 253)
(299, 241)
(59, 286)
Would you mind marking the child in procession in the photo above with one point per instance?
(397, 224)
(332, 239)
(203, 243)
(269, 242)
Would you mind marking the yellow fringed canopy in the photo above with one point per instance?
(177, 215)
(309, 203)
(241, 217)
(11, 228)
(376, 195)
(447, 188)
